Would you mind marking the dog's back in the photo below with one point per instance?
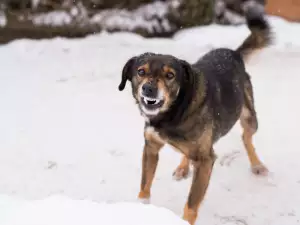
(224, 74)
(228, 84)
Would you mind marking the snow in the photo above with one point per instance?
(61, 210)
(35, 3)
(3, 19)
(151, 17)
(66, 130)
(55, 18)
(226, 15)
(146, 16)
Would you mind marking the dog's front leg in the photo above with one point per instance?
(202, 173)
(152, 146)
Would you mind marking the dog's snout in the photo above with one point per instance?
(149, 90)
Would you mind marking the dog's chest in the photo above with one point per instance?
(152, 134)
(182, 146)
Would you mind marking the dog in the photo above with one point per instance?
(191, 106)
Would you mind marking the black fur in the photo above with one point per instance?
(127, 73)
(188, 88)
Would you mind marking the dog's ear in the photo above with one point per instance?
(127, 73)
(188, 76)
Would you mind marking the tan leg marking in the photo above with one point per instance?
(249, 124)
(183, 169)
(153, 144)
(201, 178)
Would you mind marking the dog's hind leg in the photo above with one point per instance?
(182, 171)
(249, 124)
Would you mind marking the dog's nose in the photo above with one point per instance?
(149, 90)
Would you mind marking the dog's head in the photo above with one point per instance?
(156, 81)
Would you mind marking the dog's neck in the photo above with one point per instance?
(188, 98)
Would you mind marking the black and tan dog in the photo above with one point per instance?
(191, 106)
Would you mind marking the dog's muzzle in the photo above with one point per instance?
(152, 99)
(149, 91)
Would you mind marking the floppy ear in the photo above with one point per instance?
(189, 76)
(126, 73)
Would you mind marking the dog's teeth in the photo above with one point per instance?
(146, 100)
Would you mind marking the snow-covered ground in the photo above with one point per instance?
(67, 130)
(60, 210)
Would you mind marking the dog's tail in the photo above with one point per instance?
(261, 34)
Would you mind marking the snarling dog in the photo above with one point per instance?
(191, 106)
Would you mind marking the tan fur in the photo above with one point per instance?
(249, 124)
(182, 169)
(247, 138)
(167, 69)
(146, 67)
(150, 158)
(201, 146)
(201, 178)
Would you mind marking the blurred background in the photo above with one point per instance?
(150, 18)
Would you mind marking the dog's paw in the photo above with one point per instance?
(144, 197)
(260, 170)
(181, 173)
(144, 200)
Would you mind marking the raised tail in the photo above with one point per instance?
(261, 34)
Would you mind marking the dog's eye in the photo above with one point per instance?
(141, 72)
(170, 75)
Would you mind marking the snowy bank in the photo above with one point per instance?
(61, 210)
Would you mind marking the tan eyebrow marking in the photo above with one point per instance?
(168, 69)
(146, 67)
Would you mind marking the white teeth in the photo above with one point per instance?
(146, 99)
(150, 99)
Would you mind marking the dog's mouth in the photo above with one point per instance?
(151, 106)
(151, 101)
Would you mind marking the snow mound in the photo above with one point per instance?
(60, 210)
